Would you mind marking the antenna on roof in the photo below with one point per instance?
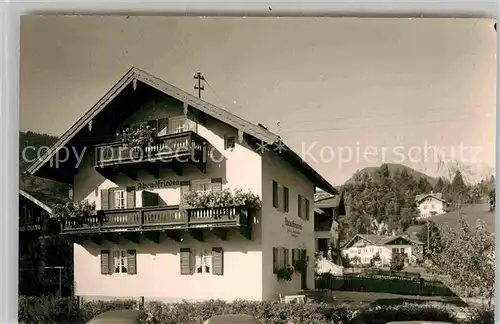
(200, 79)
(278, 125)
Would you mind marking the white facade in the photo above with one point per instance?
(431, 206)
(363, 250)
(248, 265)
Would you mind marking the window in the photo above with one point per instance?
(425, 206)
(280, 197)
(303, 207)
(181, 124)
(119, 199)
(229, 142)
(202, 185)
(280, 258)
(120, 263)
(203, 261)
(432, 207)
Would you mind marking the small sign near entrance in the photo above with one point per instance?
(158, 184)
(292, 227)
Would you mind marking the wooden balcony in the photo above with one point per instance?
(172, 149)
(150, 221)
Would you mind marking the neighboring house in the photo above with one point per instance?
(430, 204)
(145, 241)
(39, 246)
(327, 211)
(364, 247)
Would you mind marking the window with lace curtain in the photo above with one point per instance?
(203, 260)
(120, 261)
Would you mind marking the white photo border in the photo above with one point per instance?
(9, 80)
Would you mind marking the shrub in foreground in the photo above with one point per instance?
(480, 316)
(50, 310)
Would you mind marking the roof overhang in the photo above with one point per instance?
(35, 201)
(133, 76)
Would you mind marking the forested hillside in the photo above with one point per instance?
(31, 146)
(381, 201)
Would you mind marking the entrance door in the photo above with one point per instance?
(303, 274)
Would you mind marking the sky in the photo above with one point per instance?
(344, 93)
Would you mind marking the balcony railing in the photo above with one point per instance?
(164, 149)
(158, 218)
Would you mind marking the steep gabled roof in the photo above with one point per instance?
(46, 202)
(381, 240)
(438, 196)
(134, 75)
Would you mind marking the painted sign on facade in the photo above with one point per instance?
(158, 184)
(292, 227)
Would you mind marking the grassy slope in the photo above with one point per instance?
(472, 214)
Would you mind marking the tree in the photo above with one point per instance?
(467, 256)
(458, 189)
(397, 261)
(424, 186)
(430, 235)
(440, 185)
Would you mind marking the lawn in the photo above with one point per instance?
(472, 214)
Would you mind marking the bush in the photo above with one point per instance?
(405, 312)
(89, 309)
(480, 316)
(54, 310)
(50, 310)
(397, 261)
(46, 310)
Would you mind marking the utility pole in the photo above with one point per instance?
(198, 76)
(428, 235)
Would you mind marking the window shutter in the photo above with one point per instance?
(275, 260)
(307, 208)
(162, 126)
(185, 261)
(105, 262)
(275, 194)
(217, 184)
(299, 201)
(218, 261)
(285, 198)
(104, 199)
(185, 188)
(131, 262)
(130, 197)
(153, 124)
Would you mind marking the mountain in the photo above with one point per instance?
(31, 146)
(393, 168)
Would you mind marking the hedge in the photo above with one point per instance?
(51, 310)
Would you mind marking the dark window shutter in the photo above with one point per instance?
(217, 261)
(185, 261)
(162, 124)
(294, 251)
(153, 124)
(105, 262)
(275, 260)
(217, 184)
(131, 262)
(285, 198)
(275, 194)
(130, 197)
(299, 206)
(104, 199)
(185, 188)
(307, 208)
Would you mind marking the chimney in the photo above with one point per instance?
(393, 232)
